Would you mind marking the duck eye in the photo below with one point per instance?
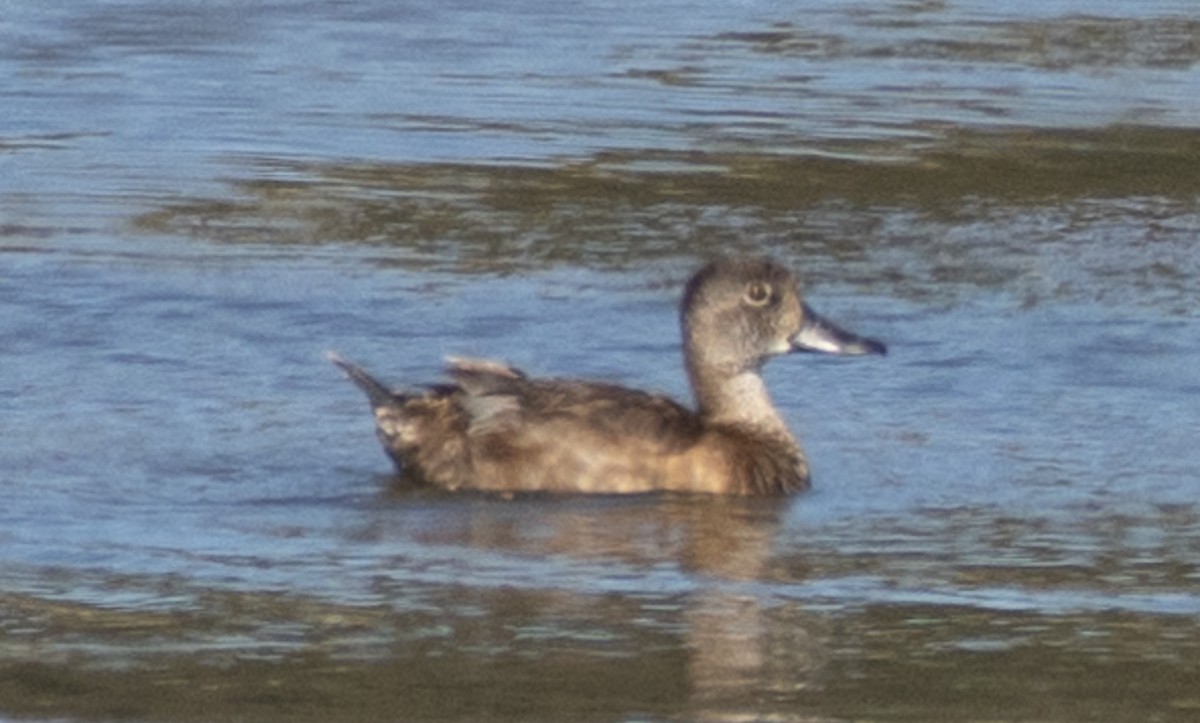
(758, 293)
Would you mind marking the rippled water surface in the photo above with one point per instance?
(197, 200)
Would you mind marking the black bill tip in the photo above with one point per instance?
(821, 335)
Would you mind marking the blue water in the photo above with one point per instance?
(197, 201)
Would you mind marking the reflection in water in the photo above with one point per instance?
(737, 644)
(1045, 215)
(709, 642)
(1072, 41)
(553, 608)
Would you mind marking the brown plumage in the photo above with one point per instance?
(493, 428)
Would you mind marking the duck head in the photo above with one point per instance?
(738, 313)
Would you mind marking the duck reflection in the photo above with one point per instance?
(687, 587)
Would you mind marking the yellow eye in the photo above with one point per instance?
(758, 293)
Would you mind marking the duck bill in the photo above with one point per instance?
(821, 335)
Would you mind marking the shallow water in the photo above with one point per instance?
(197, 201)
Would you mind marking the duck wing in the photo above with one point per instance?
(498, 396)
(529, 434)
(494, 428)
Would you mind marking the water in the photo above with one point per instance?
(198, 200)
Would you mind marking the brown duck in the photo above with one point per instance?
(493, 428)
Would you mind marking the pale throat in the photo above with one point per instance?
(738, 397)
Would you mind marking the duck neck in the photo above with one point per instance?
(729, 395)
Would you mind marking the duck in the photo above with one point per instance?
(490, 427)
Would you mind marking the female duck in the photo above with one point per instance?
(493, 428)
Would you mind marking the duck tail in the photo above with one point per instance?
(377, 393)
